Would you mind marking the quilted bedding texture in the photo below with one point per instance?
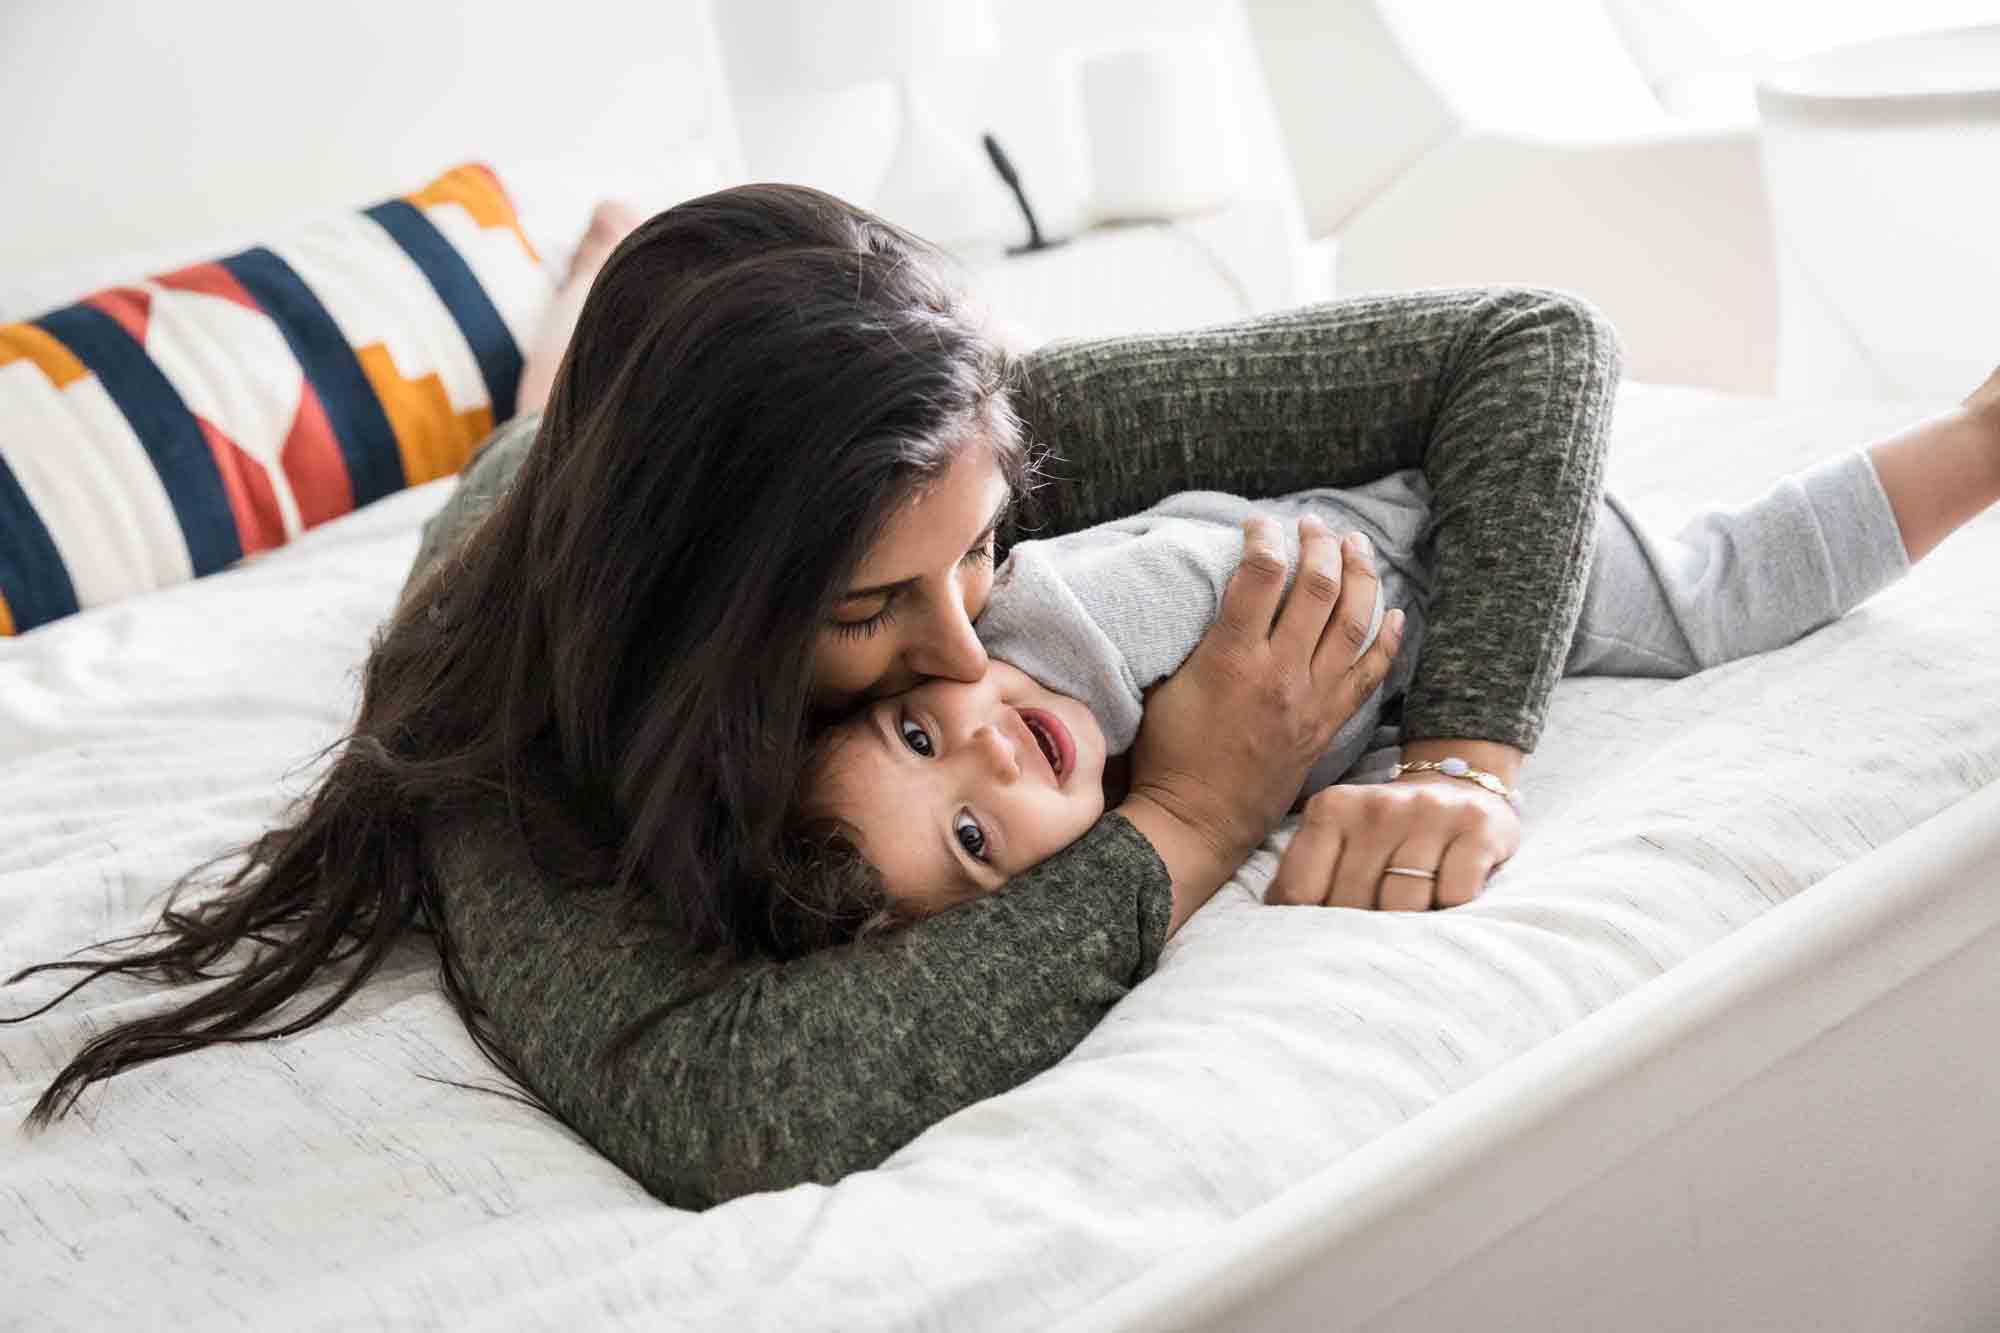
(323, 1181)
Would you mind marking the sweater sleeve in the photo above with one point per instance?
(1501, 396)
(777, 1074)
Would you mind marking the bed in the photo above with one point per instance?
(1712, 1051)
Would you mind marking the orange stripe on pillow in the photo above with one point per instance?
(478, 191)
(433, 438)
(25, 342)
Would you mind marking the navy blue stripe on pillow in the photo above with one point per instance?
(164, 425)
(367, 440)
(33, 578)
(458, 287)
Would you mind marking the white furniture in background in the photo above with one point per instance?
(1884, 167)
(1454, 144)
(1146, 277)
(937, 182)
(1026, 93)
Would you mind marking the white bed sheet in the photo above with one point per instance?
(321, 1182)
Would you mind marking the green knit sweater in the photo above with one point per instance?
(771, 1074)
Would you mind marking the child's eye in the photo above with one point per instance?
(916, 738)
(970, 836)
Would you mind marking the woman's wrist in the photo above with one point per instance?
(1501, 760)
(1197, 862)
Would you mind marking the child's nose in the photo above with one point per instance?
(996, 750)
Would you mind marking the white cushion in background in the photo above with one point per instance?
(553, 200)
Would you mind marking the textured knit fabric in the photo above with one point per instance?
(777, 1074)
(1103, 614)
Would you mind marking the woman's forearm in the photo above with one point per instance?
(1502, 397)
(774, 1074)
(1197, 865)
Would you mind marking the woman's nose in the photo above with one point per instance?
(951, 649)
(996, 750)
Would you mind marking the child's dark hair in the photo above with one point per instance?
(830, 888)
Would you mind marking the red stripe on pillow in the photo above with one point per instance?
(259, 525)
(130, 306)
(210, 280)
(313, 462)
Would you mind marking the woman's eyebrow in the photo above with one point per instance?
(880, 589)
(883, 589)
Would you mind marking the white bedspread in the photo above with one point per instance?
(323, 1181)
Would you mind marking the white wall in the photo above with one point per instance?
(149, 127)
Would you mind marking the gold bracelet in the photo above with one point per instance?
(1454, 767)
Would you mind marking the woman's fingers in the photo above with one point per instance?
(1361, 679)
(1354, 842)
(1315, 595)
(1250, 602)
(1346, 633)
(1410, 879)
(1468, 863)
(1307, 866)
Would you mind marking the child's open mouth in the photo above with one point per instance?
(1054, 739)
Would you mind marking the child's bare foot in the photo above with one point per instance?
(612, 222)
(1984, 401)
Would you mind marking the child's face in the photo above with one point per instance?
(955, 787)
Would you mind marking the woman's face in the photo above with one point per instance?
(907, 614)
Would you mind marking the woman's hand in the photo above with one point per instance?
(1228, 738)
(1354, 843)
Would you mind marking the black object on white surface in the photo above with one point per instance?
(1036, 241)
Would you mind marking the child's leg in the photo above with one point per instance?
(612, 221)
(1941, 472)
(1819, 543)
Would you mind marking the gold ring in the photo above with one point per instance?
(1411, 872)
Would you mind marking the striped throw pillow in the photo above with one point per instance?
(162, 430)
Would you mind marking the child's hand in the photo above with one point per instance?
(1351, 836)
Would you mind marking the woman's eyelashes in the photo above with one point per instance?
(861, 629)
(981, 554)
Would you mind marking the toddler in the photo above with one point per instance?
(948, 790)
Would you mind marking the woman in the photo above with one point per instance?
(774, 463)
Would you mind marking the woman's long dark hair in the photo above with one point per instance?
(620, 656)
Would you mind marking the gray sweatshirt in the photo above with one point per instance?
(1103, 613)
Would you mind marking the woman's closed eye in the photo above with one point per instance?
(981, 554)
(868, 625)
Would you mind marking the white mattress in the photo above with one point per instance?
(322, 1181)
